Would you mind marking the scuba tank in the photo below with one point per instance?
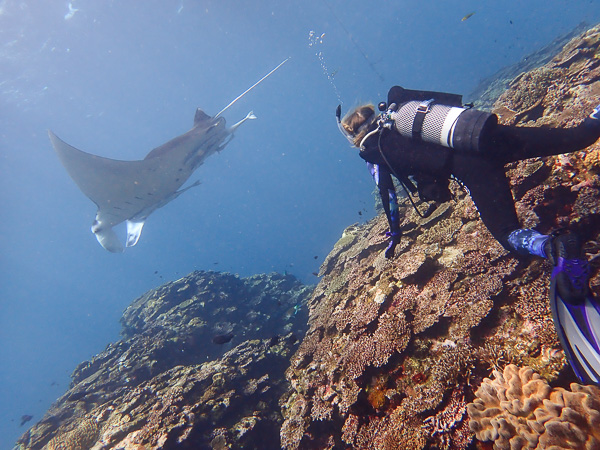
(436, 117)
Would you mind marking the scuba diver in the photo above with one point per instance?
(432, 138)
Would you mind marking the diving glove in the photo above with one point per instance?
(394, 240)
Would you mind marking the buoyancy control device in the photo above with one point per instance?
(436, 117)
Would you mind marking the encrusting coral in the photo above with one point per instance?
(519, 410)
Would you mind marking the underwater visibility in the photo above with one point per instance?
(400, 250)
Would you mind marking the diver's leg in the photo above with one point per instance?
(491, 194)
(526, 241)
(510, 143)
(564, 250)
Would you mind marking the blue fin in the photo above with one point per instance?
(578, 328)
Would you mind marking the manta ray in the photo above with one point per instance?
(129, 191)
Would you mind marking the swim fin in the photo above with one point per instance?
(578, 327)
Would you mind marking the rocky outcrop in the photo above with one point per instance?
(396, 349)
(171, 381)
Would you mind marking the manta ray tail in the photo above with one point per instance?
(252, 87)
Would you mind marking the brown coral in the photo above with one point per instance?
(447, 426)
(82, 437)
(519, 409)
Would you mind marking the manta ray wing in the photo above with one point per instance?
(120, 189)
(131, 190)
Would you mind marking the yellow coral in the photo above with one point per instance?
(81, 438)
(518, 409)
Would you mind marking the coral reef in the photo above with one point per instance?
(397, 348)
(168, 383)
(488, 91)
(519, 409)
(398, 353)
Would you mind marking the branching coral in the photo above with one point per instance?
(519, 409)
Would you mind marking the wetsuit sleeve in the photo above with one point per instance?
(387, 192)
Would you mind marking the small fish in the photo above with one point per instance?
(315, 274)
(467, 16)
(221, 339)
(25, 418)
(316, 257)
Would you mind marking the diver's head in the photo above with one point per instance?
(355, 124)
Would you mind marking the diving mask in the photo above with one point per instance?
(351, 136)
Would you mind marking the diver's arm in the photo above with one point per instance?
(387, 192)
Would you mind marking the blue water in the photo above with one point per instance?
(119, 78)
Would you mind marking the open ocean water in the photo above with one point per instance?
(118, 78)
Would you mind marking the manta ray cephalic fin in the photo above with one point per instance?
(107, 238)
(134, 231)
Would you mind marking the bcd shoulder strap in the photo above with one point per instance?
(399, 95)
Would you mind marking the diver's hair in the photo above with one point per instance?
(356, 119)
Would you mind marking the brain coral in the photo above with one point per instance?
(82, 437)
(519, 410)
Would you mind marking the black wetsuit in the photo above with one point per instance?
(481, 172)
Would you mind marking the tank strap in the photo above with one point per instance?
(398, 95)
(420, 114)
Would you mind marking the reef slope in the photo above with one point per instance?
(397, 349)
(201, 365)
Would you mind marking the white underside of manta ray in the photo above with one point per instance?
(129, 191)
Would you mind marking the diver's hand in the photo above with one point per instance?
(394, 240)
